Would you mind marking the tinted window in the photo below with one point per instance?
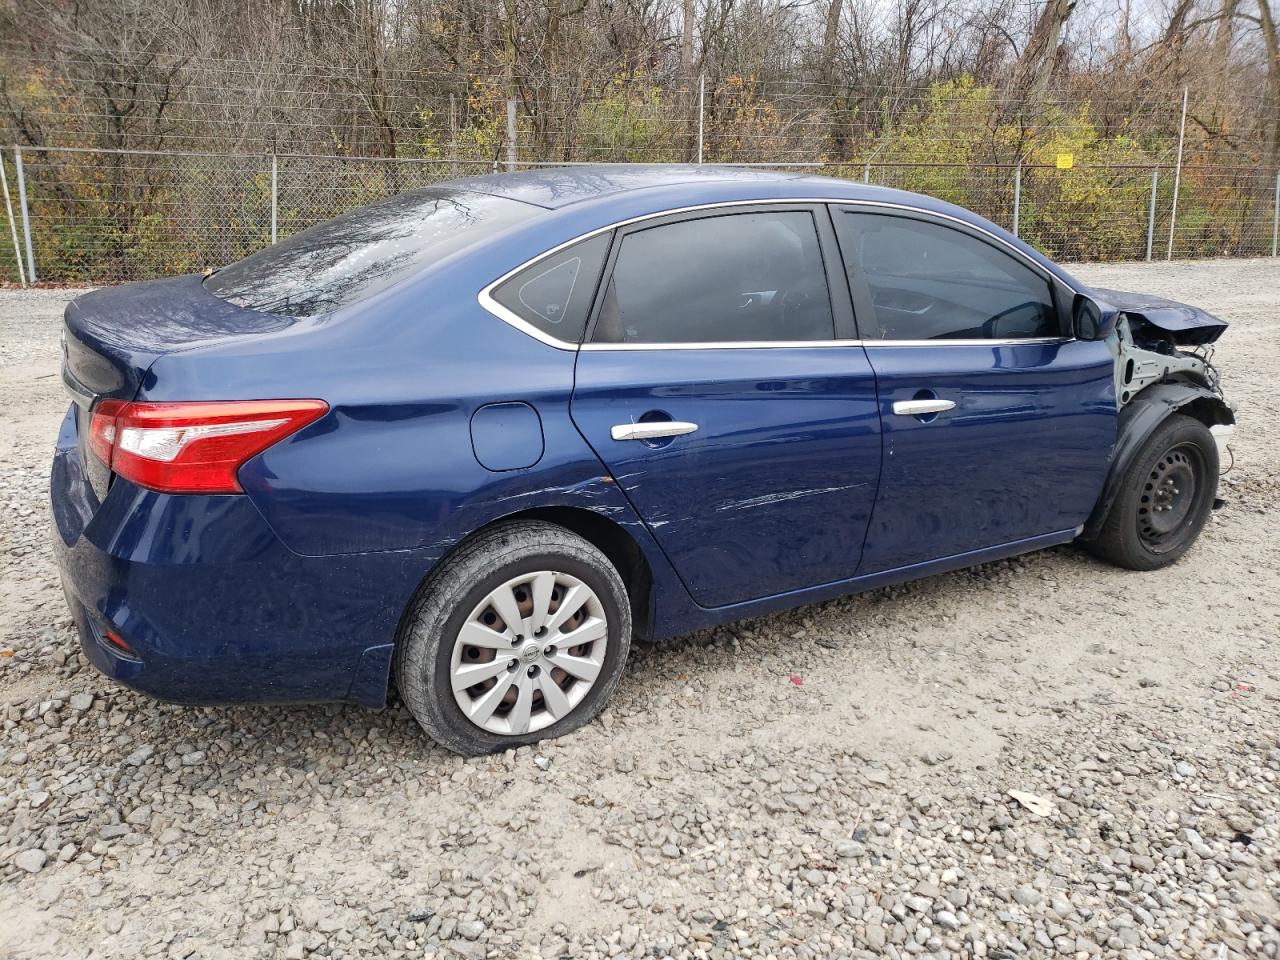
(555, 294)
(742, 277)
(930, 282)
(359, 253)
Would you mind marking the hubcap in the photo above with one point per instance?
(529, 653)
(1168, 496)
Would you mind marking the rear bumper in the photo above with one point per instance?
(215, 608)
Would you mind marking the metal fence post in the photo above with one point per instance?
(866, 172)
(13, 227)
(1017, 196)
(1275, 217)
(1151, 210)
(275, 196)
(1177, 175)
(511, 136)
(702, 99)
(26, 219)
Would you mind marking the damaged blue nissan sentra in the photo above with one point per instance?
(479, 436)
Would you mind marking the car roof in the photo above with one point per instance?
(557, 187)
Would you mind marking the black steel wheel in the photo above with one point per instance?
(1164, 499)
(1169, 496)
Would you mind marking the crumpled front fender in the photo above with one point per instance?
(1139, 419)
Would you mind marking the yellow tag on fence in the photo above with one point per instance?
(1066, 161)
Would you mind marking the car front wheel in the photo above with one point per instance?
(1164, 499)
(521, 635)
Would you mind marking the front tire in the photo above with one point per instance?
(520, 635)
(1164, 499)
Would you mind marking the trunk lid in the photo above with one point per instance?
(112, 336)
(1187, 326)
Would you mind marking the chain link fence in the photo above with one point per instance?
(86, 216)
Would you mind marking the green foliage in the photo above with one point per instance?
(632, 121)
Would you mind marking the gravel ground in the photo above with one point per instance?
(834, 781)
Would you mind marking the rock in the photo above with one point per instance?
(139, 816)
(1038, 846)
(471, 929)
(1027, 896)
(919, 904)
(140, 756)
(81, 702)
(32, 861)
(947, 920)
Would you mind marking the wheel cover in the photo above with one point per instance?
(529, 653)
(1168, 497)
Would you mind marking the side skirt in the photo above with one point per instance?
(702, 617)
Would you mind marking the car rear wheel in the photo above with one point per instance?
(521, 635)
(1165, 498)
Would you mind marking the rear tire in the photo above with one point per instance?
(1164, 499)
(544, 674)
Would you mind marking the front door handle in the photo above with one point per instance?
(918, 408)
(652, 430)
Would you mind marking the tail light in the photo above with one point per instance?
(192, 447)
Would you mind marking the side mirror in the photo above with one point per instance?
(1091, 320)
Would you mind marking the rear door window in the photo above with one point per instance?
(932, 282)
(741, 277)
(360, 253)
(554, 294)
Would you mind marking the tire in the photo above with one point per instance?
(1155, 519)
(467, 590)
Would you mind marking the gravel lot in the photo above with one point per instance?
(828, 782)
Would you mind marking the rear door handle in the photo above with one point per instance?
(652, 430)
(917, 408)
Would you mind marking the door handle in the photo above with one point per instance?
(917, 408)
(651, 430)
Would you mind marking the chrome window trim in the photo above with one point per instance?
(724, 345)
(492, 306)
(960, 342)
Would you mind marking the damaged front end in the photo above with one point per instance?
(1162, 341)
(1163, 354)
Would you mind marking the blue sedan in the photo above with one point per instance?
(479, 437)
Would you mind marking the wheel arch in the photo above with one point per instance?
(1139, 419)
(616, 543)
(608, 536)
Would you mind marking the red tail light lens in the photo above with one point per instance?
(192, 447)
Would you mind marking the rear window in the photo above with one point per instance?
(354, 256)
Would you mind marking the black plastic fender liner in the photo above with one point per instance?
(1139, 419)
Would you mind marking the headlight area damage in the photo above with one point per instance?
(1162, 341)
(1163, 354)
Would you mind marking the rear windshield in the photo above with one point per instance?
(359, 253)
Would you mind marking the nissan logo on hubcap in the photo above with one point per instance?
(530, 653)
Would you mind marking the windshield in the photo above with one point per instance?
(359, 253)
